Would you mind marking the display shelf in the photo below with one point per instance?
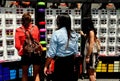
(109, 65)
(11, 70)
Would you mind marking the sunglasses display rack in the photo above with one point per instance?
(107, 24)
(10, 19)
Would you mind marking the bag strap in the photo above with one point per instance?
(29, 32)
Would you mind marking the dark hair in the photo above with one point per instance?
(64, 20)
(26, 19)
(88, 25)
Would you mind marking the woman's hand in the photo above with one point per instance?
(45, 70)
(87, 59)
(47, 64)
(81, 32)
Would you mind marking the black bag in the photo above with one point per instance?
(31, 46)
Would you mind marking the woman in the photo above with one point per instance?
(63, 47)
(19, 41)
(91, 50)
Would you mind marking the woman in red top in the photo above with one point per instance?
(19, 41)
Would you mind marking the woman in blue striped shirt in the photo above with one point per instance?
(63, 47)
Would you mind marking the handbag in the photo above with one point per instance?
(98, 45)
(31, 46)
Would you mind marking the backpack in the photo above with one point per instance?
(31, 46)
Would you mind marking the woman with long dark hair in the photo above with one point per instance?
(63, 47)
(91, 51)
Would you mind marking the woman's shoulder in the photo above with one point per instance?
(34, 25)
(19, 28)
(35, 28)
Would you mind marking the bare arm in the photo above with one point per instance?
(91, 43)
(48, 61)
(81, 32)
